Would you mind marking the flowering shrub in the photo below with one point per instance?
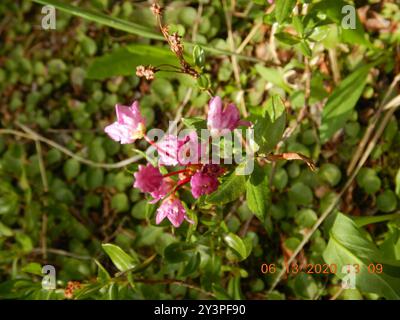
(203, 178)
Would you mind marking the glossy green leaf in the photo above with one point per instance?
(5, 231)
(283, 8)
(234, 289)
(257, 192)
(237, 244)
(229, 190)
(119, 257)
(270, 125)
(195, 123)
(34, 268)
(102, 274)
(342, 101)
(348, 246)
(220, 293)
(333, 10)
(363, 221)
(179, 252)
(123, 61)
(397, 183)
(192, 265)
(273, 75)
(287, 38)
(127, 26)
(199, 57)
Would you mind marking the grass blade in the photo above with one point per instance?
(129, 27)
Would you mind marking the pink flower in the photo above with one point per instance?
(148, 178)
(168, 149)
(172, 209)
(203, 183)
(173, 150)
(220, 118)
(191, 151)
(166, 187)
(130, 124)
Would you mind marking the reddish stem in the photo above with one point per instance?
(181, 183)
(156, 146)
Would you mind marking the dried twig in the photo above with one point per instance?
(30, 134)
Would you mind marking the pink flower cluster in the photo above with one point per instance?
(202, 178)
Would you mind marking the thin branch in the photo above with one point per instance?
(235, 65)
(62, 253)
(30, 134)
(41, 166)
(360, 149)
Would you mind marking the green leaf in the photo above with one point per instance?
(123, 61)
(342, 101)
(199, 57)
(270, 125)
(192, 265)
(397, 182)
(234, 288)
(34, 268)
(363, 221)
(390, 247)
(273, 75)
(305, 48)
(348, 246)
(127, 26)
(257, 192)
(102, 274)
(229, 190)
(298, 25)
(333, 9)
(195, 123)
(24, 241)
(236, 243)
(119, 257)
(5, 231)
(71, 168)
(113, 291)
(203, 82)
(283, 8)
(287, 38)
(104, 19)
(220, 293)
(305, 286)
(179, 251)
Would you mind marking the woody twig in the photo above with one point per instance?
(175, 43)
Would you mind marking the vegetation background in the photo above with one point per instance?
(66, 196)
